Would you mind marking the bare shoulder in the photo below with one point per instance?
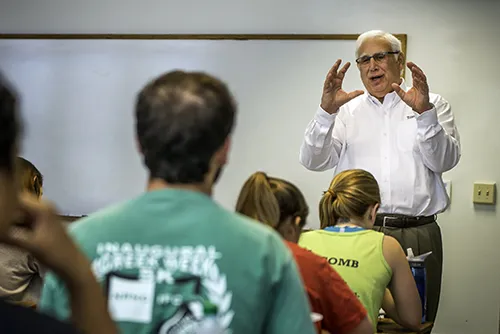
(392, 250)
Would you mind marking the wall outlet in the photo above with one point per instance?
(484, 193)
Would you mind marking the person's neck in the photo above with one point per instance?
(159, 184)
(352, 223)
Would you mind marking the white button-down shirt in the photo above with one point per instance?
(405, 151)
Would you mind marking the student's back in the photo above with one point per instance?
(281, 205)
(373, 265)
(357, 255)
(194, 251)
(166, 254)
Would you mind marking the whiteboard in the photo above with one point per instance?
(78, 98)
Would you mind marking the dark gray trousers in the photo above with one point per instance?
(423, 239)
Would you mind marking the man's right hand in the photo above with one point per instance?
(333, 95)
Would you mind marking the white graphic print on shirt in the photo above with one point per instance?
(177, 281)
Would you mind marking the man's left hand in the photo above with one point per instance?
(417, 97)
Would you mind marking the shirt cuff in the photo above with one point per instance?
(427, 118)
(324, 118)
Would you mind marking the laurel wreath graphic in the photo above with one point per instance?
(216, 288)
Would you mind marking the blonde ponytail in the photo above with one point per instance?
(257, 200)
(349, 196)
(326, 213)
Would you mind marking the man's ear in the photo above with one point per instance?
(401, 62)
(222, 155)
(138, 145)
(297, 221)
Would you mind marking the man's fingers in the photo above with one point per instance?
(332, 73)
(420, 85)
(345, 67)
(343, 70)
(417, 71)
(398, 90)
(335, 66)
(333, 70)
(410, 65)
(356, 93)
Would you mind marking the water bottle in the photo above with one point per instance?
(417, 265)
(209, 324)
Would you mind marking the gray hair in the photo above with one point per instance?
(391, 39)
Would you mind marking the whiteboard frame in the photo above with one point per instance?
(239, 37)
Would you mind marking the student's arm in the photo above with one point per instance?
(46, 238)
(343, 313)
(402, 301)
(88, 306)
(288, 308)
(389, 306)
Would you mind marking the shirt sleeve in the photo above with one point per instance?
(54, 299)
(343, 311)
(322, 143)
(289, 310)
(36, 266)
(438, 138)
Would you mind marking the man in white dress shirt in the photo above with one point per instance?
(406, 137)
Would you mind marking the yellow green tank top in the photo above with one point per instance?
(356, 254)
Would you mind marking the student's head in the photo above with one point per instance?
(30, 178)
(353, 197)
(275, 202)
(9, 131)
(183, 123)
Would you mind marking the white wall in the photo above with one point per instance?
(455, 42)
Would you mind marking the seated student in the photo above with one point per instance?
(367, 260)
(281, 205)
(21, 275)
(42, 235)
(169, 253)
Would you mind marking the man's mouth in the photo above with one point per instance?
(376, 78)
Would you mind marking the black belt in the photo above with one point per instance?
(402, 221)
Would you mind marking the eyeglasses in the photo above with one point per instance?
(378, 57)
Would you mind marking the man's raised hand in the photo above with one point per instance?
(333, 95)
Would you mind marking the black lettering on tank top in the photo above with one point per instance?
(342, 262)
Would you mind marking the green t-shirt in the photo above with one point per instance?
(163, 255)
(358, 257)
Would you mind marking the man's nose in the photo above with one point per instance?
(373, 65)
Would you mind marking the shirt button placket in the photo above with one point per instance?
(386, 156)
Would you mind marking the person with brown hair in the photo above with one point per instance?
(21, 275)
(31, 180)
(372, 264)
(282, 206)
(173, 257)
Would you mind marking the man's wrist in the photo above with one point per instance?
(427, 107)
(329, 109)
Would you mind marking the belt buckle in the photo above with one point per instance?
(385, 219)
